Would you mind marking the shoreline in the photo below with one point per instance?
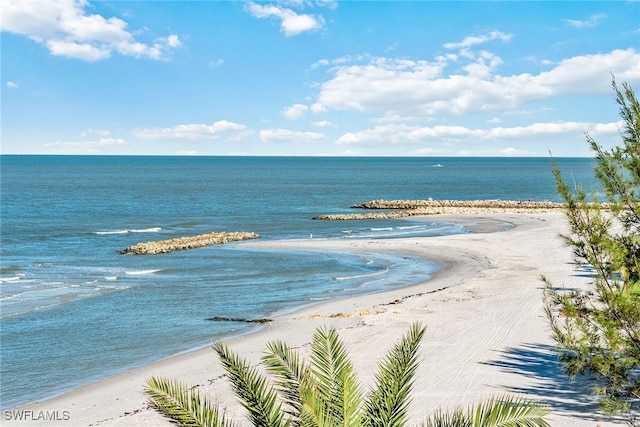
(485, 329)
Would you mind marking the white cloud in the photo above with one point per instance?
(98, 132)
(406, 90)
(475, 40)
(402, 134)
(484, 66)
(286, 135)
(192, 132)
(589, 22)
(515, 152)
(100, 146)
(11, 85)
(382, 85)
(296, 111)
(66, 29)
(591, 73)
(331, 4)
(291, 23)
(323, 124)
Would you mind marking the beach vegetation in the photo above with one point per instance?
(597, 329)
(325, 390)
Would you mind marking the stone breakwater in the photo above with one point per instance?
(478, 204)
(407, 208)
(183, 243)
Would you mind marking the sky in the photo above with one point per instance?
(314, 77)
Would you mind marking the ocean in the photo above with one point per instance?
(73, 310)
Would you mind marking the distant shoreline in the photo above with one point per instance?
(409, 208)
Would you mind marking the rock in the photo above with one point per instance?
(239, 319)
(183, 243)
(484, 204)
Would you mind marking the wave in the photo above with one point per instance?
(146, 230)
(111, 232)
(11, 279)
(40, 292)
(382, 229)
(126, 231)
(141, 272)
(30, 299)
(360, 276)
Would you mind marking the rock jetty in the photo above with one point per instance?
(407, 208)
(477, 204)
(183, 243)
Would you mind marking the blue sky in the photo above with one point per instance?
(302, 77)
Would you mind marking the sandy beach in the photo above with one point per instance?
(486, 330)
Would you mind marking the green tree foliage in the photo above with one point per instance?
(597, 330)
(326, 392)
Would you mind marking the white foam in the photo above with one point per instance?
(11, 279)
(147, 230)
(140, 272)
(111, 232)
(126, 231)
(360, 276)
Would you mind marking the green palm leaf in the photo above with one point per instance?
(335, 379)
(455, 418)
(326, 392)
(509, 412)
(290, 374)
(258, 398)
(182, 404)
(388, 402)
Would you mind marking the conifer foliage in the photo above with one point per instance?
(597, 329)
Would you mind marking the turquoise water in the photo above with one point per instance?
(73, 310)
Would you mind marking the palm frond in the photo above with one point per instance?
(510, 411)
(290, 374)
(252, 389)
(455, 418)
(388, 402)
(182, 404)
(334, 377)
(315, 411)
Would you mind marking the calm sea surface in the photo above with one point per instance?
(73, 310)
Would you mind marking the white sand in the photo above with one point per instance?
(486, 332)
